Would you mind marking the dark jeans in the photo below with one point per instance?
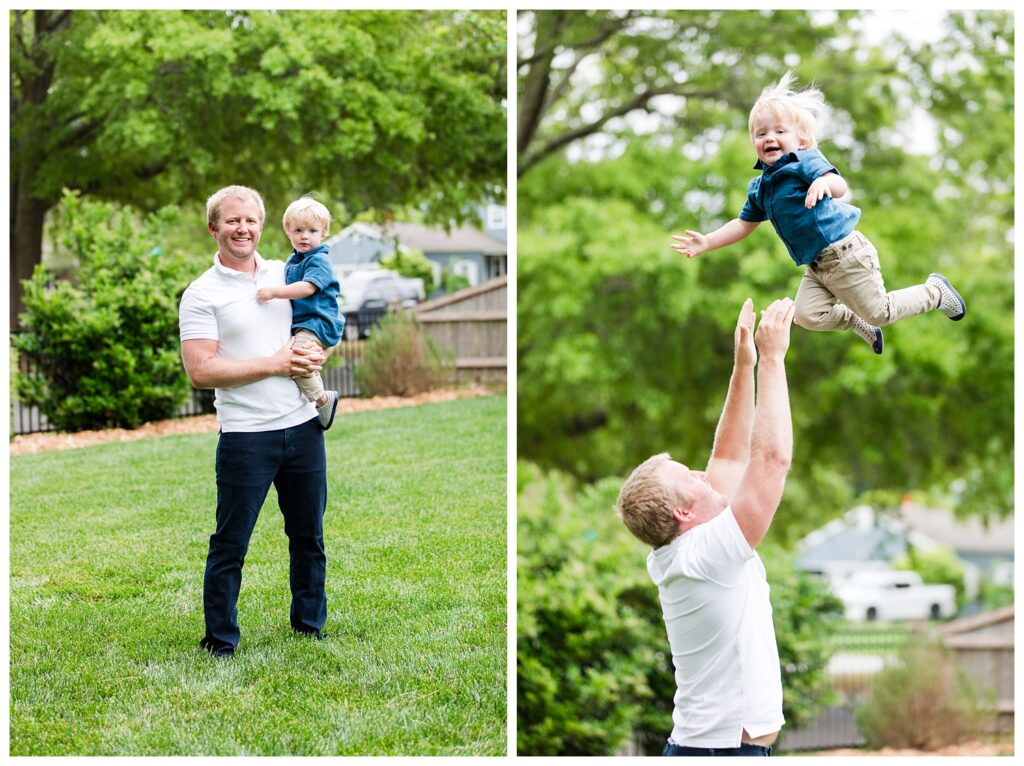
(294, 461)
(743, 749)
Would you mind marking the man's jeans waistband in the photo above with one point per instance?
(745, 749)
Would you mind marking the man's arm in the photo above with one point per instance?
(771, 442)
(695, 243)
(290, 292)
(731, 451)
(207, 370)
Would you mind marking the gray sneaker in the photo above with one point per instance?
(327, 409)
(951, 304)
(870, 333)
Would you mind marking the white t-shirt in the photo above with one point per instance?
(714, 597)
(221, 305)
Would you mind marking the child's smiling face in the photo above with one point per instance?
(775, 136)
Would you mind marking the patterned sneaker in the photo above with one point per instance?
(327, 409)
(951, 304)
(870, 333)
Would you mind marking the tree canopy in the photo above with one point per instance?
(371, 108)
(632, 127)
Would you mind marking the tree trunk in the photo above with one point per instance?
(27, 216)
(31, 86)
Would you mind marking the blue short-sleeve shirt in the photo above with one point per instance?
(319, 312)
(778, 195)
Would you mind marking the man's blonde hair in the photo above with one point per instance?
(780, 100)
(646, 502)
(308, 210)
(243, 193)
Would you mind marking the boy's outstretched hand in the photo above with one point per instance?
(691, 245)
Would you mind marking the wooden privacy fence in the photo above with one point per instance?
(473, 324)
(983, 646)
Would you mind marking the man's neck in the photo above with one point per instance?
(245, 265)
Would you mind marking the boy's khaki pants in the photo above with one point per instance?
(848, 271)
(312, 387)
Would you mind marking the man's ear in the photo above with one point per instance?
(682, 514)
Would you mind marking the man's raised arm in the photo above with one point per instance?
(771, 443)
(731, 451)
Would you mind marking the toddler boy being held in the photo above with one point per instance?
(313, 289)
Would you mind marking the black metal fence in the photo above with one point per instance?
(340, 377)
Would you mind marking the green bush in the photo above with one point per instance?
(940, 565)
(925, 701)
(995, 596)
(593, 662)
(411, 263)
(106, 347)
(399, 359)
(452, 282)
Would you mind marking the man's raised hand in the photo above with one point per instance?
(772, 335)
(746, 352)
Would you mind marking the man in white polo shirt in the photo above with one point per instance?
(269, 432)
(703, 527)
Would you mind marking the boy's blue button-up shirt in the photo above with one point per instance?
(319, 312)
(778, 195)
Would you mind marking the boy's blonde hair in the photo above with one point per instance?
(646, 502)
(801, 107)
(243, 193)
(308, 210)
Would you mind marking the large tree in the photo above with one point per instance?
(374, 109)
(582, 74)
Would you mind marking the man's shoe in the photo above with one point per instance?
(870, 333)
(319, 635)
(951, 304)
(327, 409)
(221, 653)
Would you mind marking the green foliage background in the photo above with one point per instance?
(624, 347)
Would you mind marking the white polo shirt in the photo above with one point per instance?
(221, 305)
(714, 597)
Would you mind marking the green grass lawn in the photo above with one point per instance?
(107, 550)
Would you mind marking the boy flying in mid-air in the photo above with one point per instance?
(797, 191)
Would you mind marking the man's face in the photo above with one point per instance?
(774, 137)
(707, 502)
(238, 231)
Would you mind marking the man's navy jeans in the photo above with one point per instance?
(294, 461)
(743, 749)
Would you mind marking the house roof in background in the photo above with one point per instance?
(433, 239)
(863, 535)
(964, 535)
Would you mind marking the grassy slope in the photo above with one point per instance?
(108, 546)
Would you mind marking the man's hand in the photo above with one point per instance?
(818, 190)
(745, 351)
(265, 294)
(306, 359)
(773, 332)
(691, 245)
